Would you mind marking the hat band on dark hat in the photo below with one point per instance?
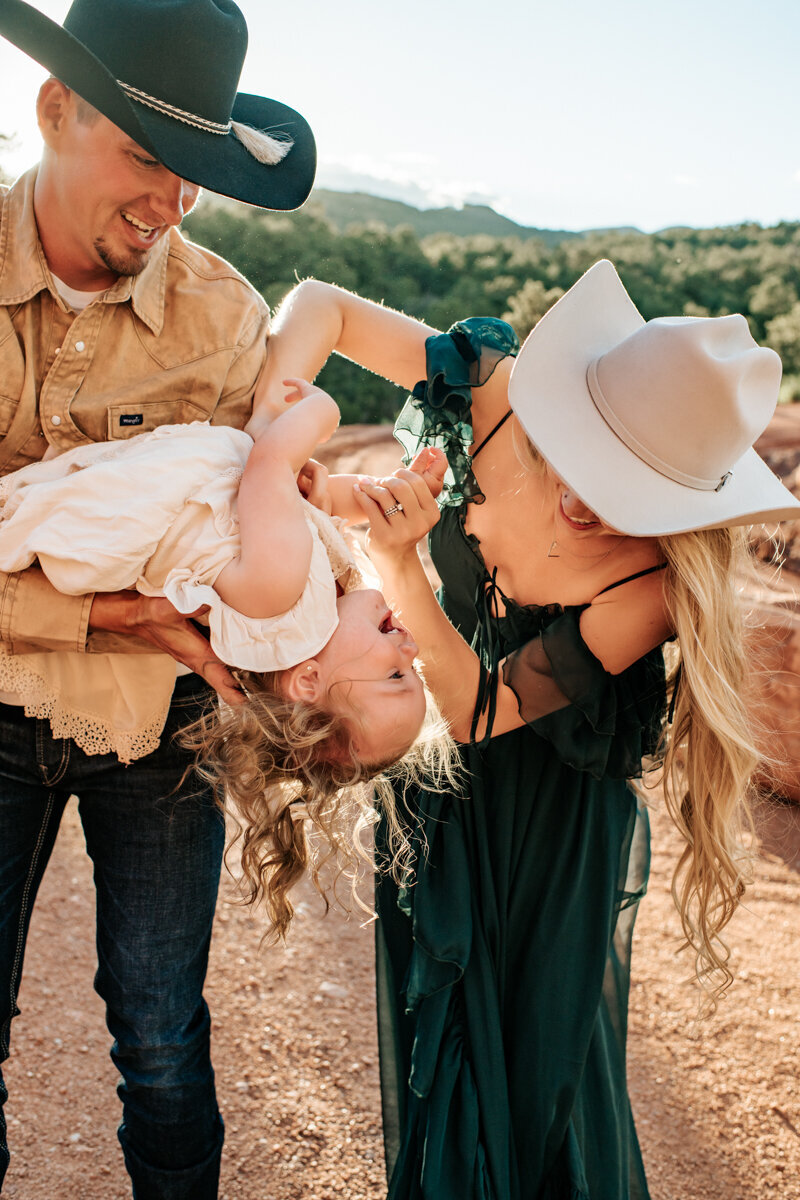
(257, 142)
(166, 73)
(170, 110)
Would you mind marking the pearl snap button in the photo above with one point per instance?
(79, 346)
(55, 420)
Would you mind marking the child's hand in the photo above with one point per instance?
(320, 406)
(431, 465)
(270, 404)
(401, 510)
(270, 398)
(301, 389)
(313, 484)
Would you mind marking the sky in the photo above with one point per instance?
(564, 115)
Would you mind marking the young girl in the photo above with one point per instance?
(211, 518)
(597, 496)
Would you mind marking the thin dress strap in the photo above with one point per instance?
(491, 434)
(630, 578)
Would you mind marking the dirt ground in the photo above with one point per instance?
(717, 1108)
(717, 1105)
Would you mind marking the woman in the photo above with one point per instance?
(588, 523)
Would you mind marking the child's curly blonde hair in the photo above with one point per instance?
(280, 766)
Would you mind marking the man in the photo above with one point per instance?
(111, 324)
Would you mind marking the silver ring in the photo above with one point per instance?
(396, 508)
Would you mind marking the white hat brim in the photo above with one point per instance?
(550, 396)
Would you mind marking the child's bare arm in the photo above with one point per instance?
(430, 464)
(271, 570)
(317, 318)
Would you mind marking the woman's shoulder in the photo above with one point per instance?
(629, 617)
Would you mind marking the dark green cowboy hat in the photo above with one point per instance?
(166, 72)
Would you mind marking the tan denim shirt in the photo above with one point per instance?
(183, 341)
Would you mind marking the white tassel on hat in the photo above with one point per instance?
(263, 146)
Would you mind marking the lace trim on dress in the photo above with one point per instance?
(438, 412)
(92, 732)
(340, 553)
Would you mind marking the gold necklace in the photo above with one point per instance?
(592, 558)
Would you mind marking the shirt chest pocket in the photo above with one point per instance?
(8, 407)
(131, 418)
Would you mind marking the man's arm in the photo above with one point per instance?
(159, 626)
(34, 616)
(111, 622)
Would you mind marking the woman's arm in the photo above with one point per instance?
(452, 669)
(317, 318)
(269, 574)
(618, 628)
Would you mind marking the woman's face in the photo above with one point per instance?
(573, 520)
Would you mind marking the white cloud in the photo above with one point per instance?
(402, 177)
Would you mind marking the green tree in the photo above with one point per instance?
(442, 278)
(783, 335)
(527, 306)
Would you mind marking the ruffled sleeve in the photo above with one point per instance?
(273, 643)
(438, 412)
(612, 722)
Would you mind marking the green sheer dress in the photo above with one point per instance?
(503, 969)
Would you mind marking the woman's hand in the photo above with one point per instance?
(400, 509)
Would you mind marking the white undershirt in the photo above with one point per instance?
(75, 299)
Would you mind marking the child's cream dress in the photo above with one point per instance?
(157, 513)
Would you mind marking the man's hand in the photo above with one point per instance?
(158, 622)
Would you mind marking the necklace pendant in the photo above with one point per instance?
(553, 551)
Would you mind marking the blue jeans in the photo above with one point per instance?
(156, 844)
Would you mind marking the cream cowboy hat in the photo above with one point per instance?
(166, 73)
(650, 423)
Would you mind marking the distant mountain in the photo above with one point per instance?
(359, 208)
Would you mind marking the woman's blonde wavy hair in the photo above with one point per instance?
(710, 743)
(288, 774)
(711, 751)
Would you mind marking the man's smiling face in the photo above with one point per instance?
(102, 202)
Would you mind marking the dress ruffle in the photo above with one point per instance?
(438, 412)
(264, 645)
(107, 703)
(613, 722)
